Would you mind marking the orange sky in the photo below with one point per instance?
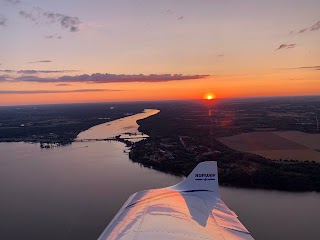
(253, 86)
(244, 48)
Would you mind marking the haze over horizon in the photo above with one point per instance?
(89, 51)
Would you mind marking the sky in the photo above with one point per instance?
(131, 50)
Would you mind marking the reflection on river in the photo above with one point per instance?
(118, 127)
(73, 192)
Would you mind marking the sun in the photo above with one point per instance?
(210, 96)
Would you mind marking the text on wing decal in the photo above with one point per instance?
(205, 176)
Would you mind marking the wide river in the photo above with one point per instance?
(73, 192)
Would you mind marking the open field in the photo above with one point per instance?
(286, 145)
(309, 140)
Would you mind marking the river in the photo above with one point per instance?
(73, 192)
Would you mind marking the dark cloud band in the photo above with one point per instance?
(111, 78)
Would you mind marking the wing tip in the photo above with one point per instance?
(204, 177)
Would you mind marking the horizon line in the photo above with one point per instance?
(163, 100)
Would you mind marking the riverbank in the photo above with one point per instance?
(58, 124)
(176, 148)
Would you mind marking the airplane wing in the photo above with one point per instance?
(191, 209)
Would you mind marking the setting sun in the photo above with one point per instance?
(210, 96)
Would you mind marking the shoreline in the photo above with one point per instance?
(167, 153)
(52, 143)
(236, 169)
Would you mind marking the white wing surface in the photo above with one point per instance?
(191, 209)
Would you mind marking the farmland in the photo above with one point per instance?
(277, 145)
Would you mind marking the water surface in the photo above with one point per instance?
(118, 127)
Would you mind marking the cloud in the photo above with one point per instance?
(28, 15)
(181, 18)
(54, 91)
(63, 84)
(3, 78)
(65, 21)
(53, 36)
(111, 78)
(312, 28)
(309, 67)
(8, 71)
(286, 46)
(3, 21)
(43, 71)
(303, 30)
(296, 79)
(317, 68)
(42, 61)
(315, 26)
(28, 72)
(13, 1)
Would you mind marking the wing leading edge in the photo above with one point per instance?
(191, 209)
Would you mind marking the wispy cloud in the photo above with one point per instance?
(13, 1)
(42, 61)
(309, 67)
(302, 67)
(55, 91)
(112, 78)
(43, 71)
(315, 26)
(53, 36)
(63, 84)
(67, 22)
(8, 71)
(28, 15)
(3, 21)
(181, 18)
(286, 46)
(296, 79)
(3, 78)
(29, 71)
(312, 28)
(302, 30)
(37, 15)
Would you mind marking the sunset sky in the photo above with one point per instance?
(129, 50)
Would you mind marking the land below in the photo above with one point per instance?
(242, 135)
(184, 134)
(58, 125)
